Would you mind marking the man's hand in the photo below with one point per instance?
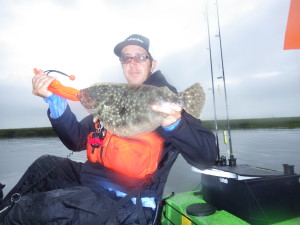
(172, 110)
(40, 83)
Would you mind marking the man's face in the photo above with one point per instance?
(137, 72)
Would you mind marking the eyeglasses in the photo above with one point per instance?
(138, 58)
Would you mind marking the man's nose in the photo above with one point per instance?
(132, 62)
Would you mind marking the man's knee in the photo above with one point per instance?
(45, 162)
(48, 159)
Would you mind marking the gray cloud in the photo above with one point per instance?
(262, 79)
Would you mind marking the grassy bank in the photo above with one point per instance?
(263, 123)
(27, 132)
(285, 122)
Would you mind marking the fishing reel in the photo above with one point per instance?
(221, 161)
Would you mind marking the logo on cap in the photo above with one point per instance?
(135, 39)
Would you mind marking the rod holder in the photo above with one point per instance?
(232, 161)
(288, 169)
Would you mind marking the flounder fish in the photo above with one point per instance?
(126, 109)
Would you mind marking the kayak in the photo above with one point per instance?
(174, 212)
(237, 195)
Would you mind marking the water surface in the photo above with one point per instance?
(267, 148)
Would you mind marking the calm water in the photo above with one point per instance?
(268, 148)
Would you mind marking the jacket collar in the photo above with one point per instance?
(158, 79)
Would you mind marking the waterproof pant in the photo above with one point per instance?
(52, 193)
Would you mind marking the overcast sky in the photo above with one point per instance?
(78, 37)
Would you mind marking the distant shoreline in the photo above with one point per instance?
(257, 123)
(263, 123)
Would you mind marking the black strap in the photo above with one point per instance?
(140, 211)
(147, 181)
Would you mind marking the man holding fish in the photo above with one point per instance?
(123, 161)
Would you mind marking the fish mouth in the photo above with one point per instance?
(85, 99)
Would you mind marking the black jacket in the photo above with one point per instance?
(195, 142)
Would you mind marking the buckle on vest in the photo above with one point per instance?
(96, 140)
(97, 137)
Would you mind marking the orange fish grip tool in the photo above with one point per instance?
(57, 88)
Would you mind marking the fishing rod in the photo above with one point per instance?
(218, 160)
(232, 160)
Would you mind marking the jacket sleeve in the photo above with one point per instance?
(72, 133)
(195, 142)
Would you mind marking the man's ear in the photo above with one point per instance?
(153, 65)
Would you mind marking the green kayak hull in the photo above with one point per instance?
(174, 211)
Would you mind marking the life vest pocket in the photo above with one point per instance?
(135, 156)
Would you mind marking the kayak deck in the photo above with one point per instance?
(174, 211)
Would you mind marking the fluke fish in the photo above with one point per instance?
(126, 109)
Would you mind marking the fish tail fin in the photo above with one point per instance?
(193, 99)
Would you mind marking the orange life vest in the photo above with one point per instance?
(135, 156)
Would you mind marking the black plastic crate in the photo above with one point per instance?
(264, 200)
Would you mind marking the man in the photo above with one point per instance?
(60, 191)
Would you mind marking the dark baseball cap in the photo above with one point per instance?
(134, 39)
